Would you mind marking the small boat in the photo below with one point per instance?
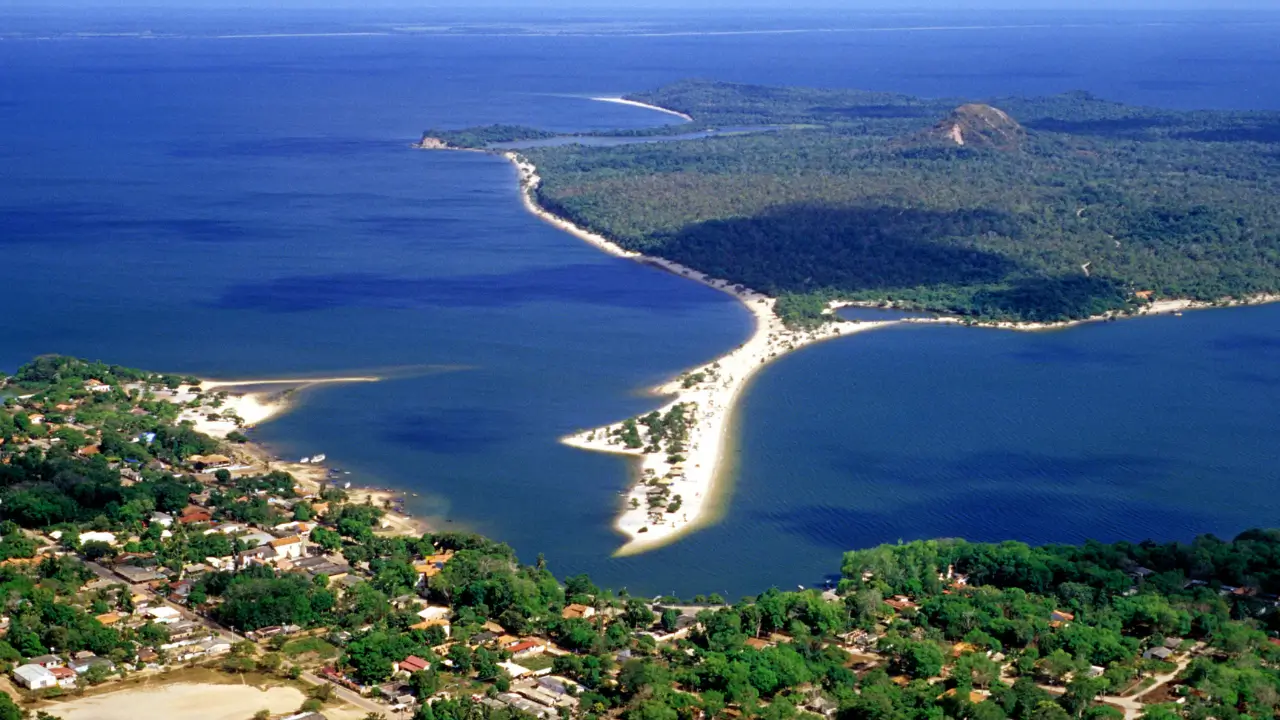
(346, 486)
(305, 460)
(318, 458)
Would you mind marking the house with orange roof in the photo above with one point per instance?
(577, 610)
(431, 566)
(194, 514)
(288, 548)
(528, 648)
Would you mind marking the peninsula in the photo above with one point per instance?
(1016, 213)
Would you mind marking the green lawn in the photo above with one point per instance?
(303, 646)
(537, 662)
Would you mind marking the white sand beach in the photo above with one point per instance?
(1170, 306)
(240, 410)
(646, 106)
(710, 399)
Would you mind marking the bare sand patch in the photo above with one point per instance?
(189, 701)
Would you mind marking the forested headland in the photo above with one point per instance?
(1076, 207)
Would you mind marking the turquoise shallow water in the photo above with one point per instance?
(243, 208)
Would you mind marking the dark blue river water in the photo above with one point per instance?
(237, 207)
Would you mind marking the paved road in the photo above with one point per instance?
(347, 696)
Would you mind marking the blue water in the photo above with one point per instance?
(249, 206)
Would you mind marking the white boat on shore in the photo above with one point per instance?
(318, 458)
(305, 460)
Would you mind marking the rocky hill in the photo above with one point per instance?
(974, 125)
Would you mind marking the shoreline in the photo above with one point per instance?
(1171, 306)
(699, 481)
(646, 106)
(708, 395)
(679, 483)
(257, 407)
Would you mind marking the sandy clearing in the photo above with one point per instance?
(189, 701)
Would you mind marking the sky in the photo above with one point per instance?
(727, 5)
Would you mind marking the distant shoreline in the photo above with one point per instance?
(646, 106)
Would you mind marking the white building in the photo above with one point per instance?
(164, 614)
(435, 612)
(290, 548)
(34, 677)
(105, 537)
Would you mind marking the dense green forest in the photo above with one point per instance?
(862, 196)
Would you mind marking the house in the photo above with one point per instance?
(435, 612)
(410, 665)
(557, 685)
(432, 566)
(66, 677)
(134, 574)
(214, 646)
(1058, 618)
(528, 648)
(262, 555)
(148, 657)
(109, 619)
(289, 548)
(493, 627)
(103, 537)
(47, 661)
(84, 665)
(1173, 643)
(320, 565)
(299, 528)
(514, 670)
(36, 419)
(1158, 653)
(97, 386)
(819, 705)
(577, 610)
(187, 629)
(34, 677)
(901, 602)
(164, 614)
(162, 519)
(194, 514)
(210, 462)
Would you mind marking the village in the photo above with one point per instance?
(142, 550)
